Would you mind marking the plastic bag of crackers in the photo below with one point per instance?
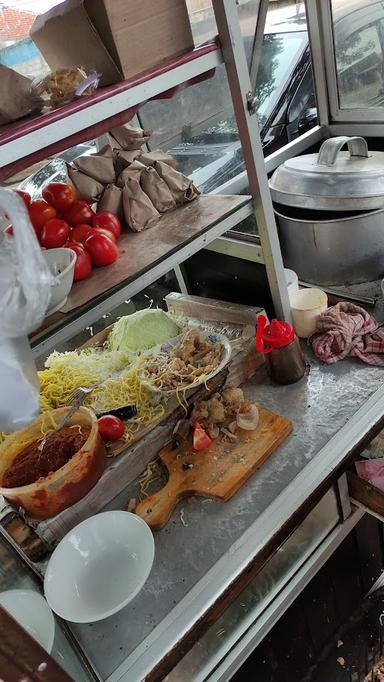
(63, 86)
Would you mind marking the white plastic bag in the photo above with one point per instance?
(25, 282)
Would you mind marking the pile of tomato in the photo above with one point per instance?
(61, 220)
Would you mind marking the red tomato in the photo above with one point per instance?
(102, 249)
(201, 440)
(108, 221)
(54, 233)
(40, 212)
(106, 233)
(25, 196)
(110, 427)
(60, 195)
(79, 212)
(83, 267)
(80, 233)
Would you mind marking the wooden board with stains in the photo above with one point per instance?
(217, 472)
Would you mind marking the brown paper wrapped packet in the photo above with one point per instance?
(182, 188)
(149, 158)
(134, 170)
(139, 211)
(129, 138)
(127, 132)
(86, 187)
(122, 159)
(134, 143)
(106, 151)
(112, 200)
(157, 190)
(16, 100)
(99, 168)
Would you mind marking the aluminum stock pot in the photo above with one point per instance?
(329, 209)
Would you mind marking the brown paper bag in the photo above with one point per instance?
(139, 211)
(106, 151)
(87, 188)
(182, 188)
(134, 170)
(149, 158)
(129, 138)
(122, 159)
(157, 190)
(127, 132)
(99, 168)
(112, 200)
(16, 100)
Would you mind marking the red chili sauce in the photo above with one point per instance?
(32, 464)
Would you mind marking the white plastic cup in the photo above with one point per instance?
(306, 307)
(292, 281)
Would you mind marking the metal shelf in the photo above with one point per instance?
(152, 253)
(33, 139)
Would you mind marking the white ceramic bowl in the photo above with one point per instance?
(32, 612)
(61, 263)
(99, 566)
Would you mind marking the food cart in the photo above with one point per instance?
(223, 572)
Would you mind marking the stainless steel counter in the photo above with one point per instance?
(331, 409)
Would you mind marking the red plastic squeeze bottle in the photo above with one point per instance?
(285, 357)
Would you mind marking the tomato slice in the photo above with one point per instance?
(201, 440)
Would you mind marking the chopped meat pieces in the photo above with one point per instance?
(194, 357)
(211, 411)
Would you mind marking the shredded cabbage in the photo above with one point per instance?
(99, 362)
(142, 330)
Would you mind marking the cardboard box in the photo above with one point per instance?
(117, 38)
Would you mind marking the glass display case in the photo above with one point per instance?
(225, 572)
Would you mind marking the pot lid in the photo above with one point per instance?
(332, 180)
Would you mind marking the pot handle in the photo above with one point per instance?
(329, 150)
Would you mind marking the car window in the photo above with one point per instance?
(280, 53)
(359, 35)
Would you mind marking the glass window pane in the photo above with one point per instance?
(198, 127)
(279, 54)
(359, 49)
(17, 50)
(204, 25)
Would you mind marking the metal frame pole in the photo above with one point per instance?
(240, 85)
(318, 57)
(258, 41)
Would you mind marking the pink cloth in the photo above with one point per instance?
(345, 330)
(371, 470)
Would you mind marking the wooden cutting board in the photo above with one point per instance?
(218, 472)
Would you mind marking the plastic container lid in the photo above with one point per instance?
(275, 335)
